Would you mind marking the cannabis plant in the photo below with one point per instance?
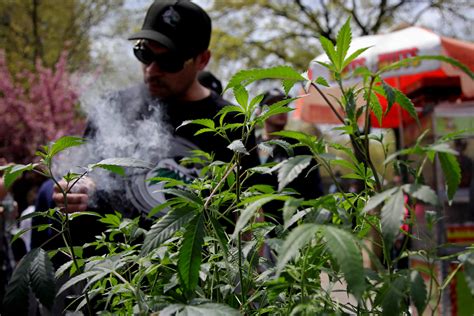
(188, 264)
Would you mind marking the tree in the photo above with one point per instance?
(32, 29)
(268, 32)
(37, 106)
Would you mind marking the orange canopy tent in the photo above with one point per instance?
(417, 80)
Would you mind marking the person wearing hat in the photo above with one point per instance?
(308, 186)
(173, 48)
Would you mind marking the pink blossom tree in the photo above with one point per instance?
(36, 107)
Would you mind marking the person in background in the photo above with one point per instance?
(173, 48)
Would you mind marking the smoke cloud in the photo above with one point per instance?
(127, 124)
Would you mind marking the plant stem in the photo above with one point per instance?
(378, 185)
(67, 233)
(209, 198)
(340, 118)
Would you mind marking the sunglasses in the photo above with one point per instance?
(167, 62)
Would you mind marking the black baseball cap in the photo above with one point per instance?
(179, 25)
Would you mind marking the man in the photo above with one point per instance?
(173, 48)
(309, 186)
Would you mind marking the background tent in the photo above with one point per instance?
(419, 80)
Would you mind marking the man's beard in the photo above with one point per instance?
(161, 89)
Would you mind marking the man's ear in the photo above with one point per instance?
(203, 59)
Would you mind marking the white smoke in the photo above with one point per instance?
(118, 134)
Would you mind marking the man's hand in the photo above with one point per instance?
(77, 198)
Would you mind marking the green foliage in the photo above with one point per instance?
(13, 172)
(246, 77)
(251, 210)
(17, 291)
(418, 291)
(468, 261)
(190, 255)
(186, 263)
(444, 59)
(166, 227)
(452, 173)
(291, 169)
(116, 165)
(34, 269)
(297, 239)
(42, 278)
(210, 309)
(392, 215)
(62, 144)
(344, 249)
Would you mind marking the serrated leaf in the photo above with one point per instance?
(206, 309)
(418, 291)
(406, 104)
(343, 41)
(468, 261)
(421, 192)
(376, 107)
(165, 228)
(389, 95)
(344, 249)
(442, 148)
(330, 51)
(296, 217)
(256, 101)
(187, 195)
(42, 279)
(363, 71)
(11, 173)
(250, 211)
(296, 239)
(229, 109)
(220, 235)
(112, 168)
(204, 122)
(15, 301)
(246, 77)
(321, 81)
(241, 96)
(190, 253)
(111, 164)
(291, 169)
(283, 144)
(76, 279)
(291, 134)
(238, 146)
(445, 59)
(329, 66)
(392, 296)
(452, 173)
(64, 143)
(278, 107)
(344, 163)
(265, 147)
(288, 84)
(392, 215)
(63, 268)
(289, 208)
